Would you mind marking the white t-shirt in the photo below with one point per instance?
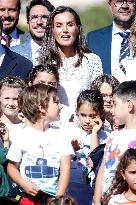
(117, 143)
(80, 162)
(39, 154)
(14, 129)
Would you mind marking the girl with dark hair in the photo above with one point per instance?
(106, 84)
(65, 46)
(123, 188)
(89, 125)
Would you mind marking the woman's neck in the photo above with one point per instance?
(66, 52)
(10, 119)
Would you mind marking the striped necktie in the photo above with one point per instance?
(124, 50)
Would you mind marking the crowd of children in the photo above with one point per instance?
(48, 157)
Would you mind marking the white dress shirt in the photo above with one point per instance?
(35, 52)
(115, 53)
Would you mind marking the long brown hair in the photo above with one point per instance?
(49, 52)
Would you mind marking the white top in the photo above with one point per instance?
(13, 129)
(39, 154)
(80, 163)
(73, 79)
(117, 143)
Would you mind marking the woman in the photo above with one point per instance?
(65, 45)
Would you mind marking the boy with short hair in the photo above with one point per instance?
(42, 152)
(124, 112)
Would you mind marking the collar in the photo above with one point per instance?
(116, 30)
(14, 34)
(35, 46)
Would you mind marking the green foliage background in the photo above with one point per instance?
(95, 17)
(92, 18)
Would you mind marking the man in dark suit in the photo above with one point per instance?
(11, 63)
(9, 13)
(106, 42)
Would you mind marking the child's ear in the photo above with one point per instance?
(42, 109)
(123, 175)
(130, 104)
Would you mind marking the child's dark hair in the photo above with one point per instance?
(62, 200)
(95, 98)
(43, 68)
(119, 185)
(104, 78)
(34, 96)
(126, 90)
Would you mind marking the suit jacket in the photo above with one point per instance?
(99, 41)
(25, 37)
(19, 32)
(14, 65)
(24, 49)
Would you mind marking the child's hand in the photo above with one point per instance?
(97, 126)
(76, 145)
(31, 188)
(4, 133)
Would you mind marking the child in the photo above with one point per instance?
(10, 88)
(124, 112)
(106, 84)
(48, 74)
(39, 162)
(90, 118)
(123, 189)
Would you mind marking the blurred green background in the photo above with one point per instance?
(95, 17)
(92, 18)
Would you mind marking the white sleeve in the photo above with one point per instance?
(15, 152)
(66, 147)
(96, 66)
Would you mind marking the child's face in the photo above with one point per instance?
(8, 100)
(53, 110)
(87, 116)
(130, 175)
(119, 110)
(45, 78)
(106, 91)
